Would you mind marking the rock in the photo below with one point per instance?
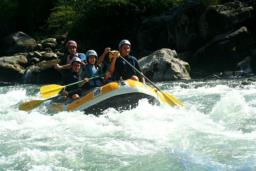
(191, 26)
(49, 40)
(47, 64)
(34, 60)
(221, 18)
(12, 68)
(253, 60)
(38, 54)
(224, 51)
(163, 65)
(245, 65)
(39, 46)
(42, 73)
(18, 42)
(34, 57)
(176, 29)
(49, 55)
(49, 43)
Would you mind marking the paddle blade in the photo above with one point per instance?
(171, 100)
(50, 90)
(27, 106)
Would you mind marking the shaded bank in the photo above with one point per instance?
(212, 39)
(37, 65)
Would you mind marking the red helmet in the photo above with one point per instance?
(71, 43)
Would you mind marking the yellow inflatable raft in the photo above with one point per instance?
(119, 95)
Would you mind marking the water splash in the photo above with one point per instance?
(211, 133)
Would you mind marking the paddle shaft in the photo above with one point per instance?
(141, 74)
(172, 99)
(82, 81)
(74, 83)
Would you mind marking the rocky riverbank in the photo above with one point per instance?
(198, 42)
(215, 39)
(32, 61)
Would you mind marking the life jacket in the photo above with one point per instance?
(90, 71)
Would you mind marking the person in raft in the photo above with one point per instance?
(104, 62)
(73, 75)
(121, 70)
(65, 62)
(92, 71)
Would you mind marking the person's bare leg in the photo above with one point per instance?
(135, 78)
(75, 96)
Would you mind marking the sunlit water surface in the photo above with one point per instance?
(215, 131)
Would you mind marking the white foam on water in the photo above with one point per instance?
(233, 111)
(147, 137)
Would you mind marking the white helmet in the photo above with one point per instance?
(76, 59)
(124, 42)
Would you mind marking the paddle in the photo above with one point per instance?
(170, 99)
(47, 91)
(27, 106)
(54, 89)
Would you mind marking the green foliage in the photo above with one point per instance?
(153, 7)
(207, 3)
(105, 22)
(61, 19)
(87, 20)
(32, 15)
(8, 9)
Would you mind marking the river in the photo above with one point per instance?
(215, 131)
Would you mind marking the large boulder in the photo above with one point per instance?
(42, 73)
(35, 66)
(224, 51)
(12, 68)
(221, 18)
(163, 65)
(18, 42)
(18, 69)
(190, 26)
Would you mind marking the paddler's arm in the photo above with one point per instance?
(102, 56)
(59, 67)
(112, 67)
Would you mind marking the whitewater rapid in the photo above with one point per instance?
(215, 130)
